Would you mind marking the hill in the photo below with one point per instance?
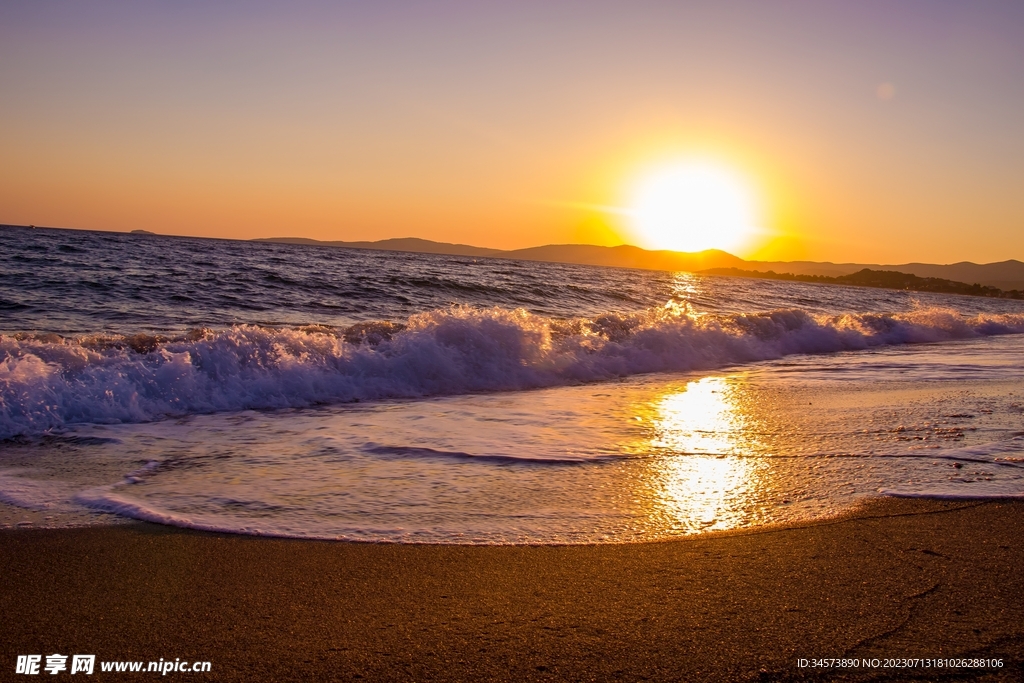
(1005, 275)
(622, 256)
(886, 279)
(413, 244)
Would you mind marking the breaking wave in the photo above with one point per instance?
(48, 381)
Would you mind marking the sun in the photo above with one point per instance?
(692, 206)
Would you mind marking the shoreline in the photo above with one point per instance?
(894, 578)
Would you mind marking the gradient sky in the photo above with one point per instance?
(879, 132)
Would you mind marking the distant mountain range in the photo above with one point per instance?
(885, 279)
(1006, 275)
(1002, 274)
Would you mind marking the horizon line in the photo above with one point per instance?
(340, 244)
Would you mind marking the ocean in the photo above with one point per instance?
(316, 392)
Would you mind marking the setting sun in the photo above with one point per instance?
(692, 206)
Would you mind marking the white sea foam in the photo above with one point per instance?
(47, 381)
(647, 458)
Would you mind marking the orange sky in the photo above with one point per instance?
(871, 132)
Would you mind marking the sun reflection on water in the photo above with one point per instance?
(687, 293)
(702, 418)
(704, 478)
(686, 286)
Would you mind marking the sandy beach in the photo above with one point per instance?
(898, 579)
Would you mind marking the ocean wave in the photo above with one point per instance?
(48, 381)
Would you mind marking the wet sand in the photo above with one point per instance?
(899, 579)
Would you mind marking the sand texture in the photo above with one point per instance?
(900, 578)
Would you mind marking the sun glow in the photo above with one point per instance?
(693, 206)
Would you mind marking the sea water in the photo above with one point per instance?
(316, 392)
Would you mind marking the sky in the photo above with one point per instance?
(864, 131)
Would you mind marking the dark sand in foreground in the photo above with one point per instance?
(903, 578)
